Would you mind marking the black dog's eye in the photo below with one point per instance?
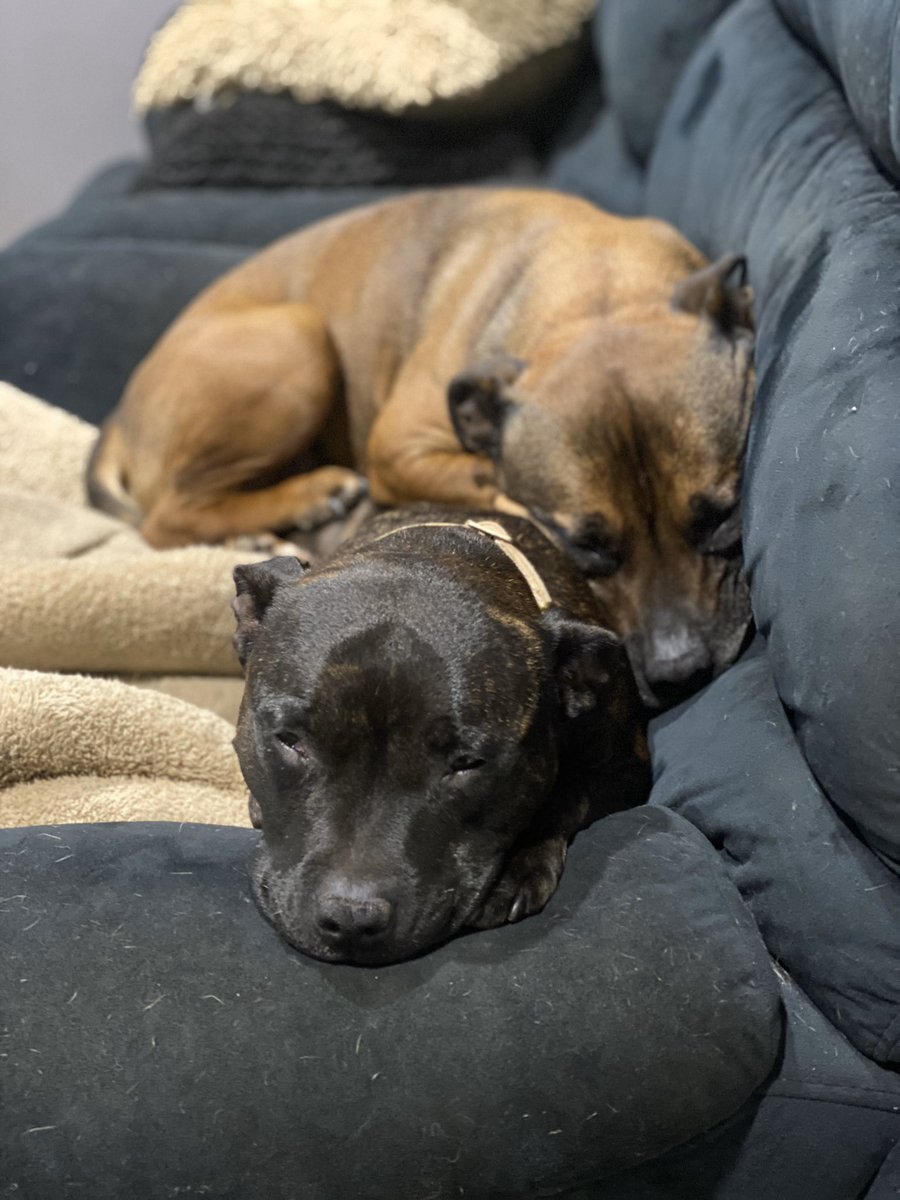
(715, 527)
(291, 741)
(465, 764)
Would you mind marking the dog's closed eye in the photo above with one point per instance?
(597, 554)
(292, 741)
(715, 527)
(592, 542)
(464, 764)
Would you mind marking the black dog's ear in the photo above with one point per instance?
(478, 406)
(590, 662)
(256, 584)
(720, 292)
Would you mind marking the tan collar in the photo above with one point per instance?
(495, 531)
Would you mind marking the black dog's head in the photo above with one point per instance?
(625, 437)
(399, 731)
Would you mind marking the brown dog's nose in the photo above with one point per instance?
(669, 664)
(354, 914)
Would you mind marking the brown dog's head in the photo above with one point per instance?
(625, 437)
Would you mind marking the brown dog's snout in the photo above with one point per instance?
(670, 662)
(352, 915)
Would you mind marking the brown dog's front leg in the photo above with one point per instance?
(413, 455)
(302, 503)
(436, 477)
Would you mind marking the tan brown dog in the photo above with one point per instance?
(596, 370)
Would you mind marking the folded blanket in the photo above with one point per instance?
(83, 592)
(75, 749)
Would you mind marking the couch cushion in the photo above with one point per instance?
(824, 1126)
(827, 906)
(759, 152)
(643, 46)
(860, 41)
(184, 1048)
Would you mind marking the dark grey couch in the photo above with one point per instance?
(710, 1007)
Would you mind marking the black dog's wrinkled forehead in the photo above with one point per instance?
(356, 650)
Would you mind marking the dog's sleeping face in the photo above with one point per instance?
(397, 739)
(626, 441)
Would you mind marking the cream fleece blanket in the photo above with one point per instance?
(75, 749)
(83, 593)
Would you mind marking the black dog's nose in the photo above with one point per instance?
(354, 915)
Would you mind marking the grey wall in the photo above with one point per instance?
(66, 68)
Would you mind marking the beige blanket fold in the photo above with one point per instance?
(74, 748)
(82, 592)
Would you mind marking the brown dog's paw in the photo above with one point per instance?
(342, 492)
(528, 881)
(263, 543)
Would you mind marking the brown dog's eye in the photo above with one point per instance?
(594, 545)
(715, 527)
(596, 551)
(596, 559)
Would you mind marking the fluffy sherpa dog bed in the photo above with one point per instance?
(386, 54)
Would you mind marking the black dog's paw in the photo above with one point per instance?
(528, 881)
(254, 812)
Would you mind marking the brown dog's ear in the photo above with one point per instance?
(590, 662)
(256, 585)
(720, 292)
(478, 406)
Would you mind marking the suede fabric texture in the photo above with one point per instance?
(185, 1050)
(795, 861)
(860, 42)
(641, 47)
(759, 151)
(825, 1128)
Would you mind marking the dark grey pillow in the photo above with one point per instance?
(163, 1041)
(860, 41)
(759, 152)
(643, 46)
(828, 908)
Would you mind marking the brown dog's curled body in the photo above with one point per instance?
(595, 369)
